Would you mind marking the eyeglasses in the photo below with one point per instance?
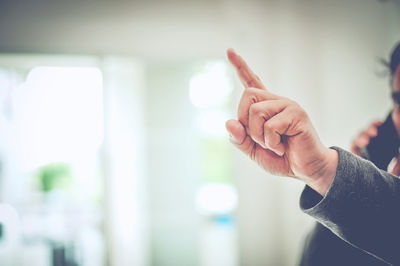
(396, 97)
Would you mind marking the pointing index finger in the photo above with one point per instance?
(246, 75)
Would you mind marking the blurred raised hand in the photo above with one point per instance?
(364, 137)
(277, 133)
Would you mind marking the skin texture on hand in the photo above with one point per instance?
(277, 134)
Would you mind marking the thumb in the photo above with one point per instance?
(239, 137)
(236, 130)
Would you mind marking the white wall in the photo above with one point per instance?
(173, 166)
(124, 162)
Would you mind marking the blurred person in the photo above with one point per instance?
(380, 142)
(355, 203)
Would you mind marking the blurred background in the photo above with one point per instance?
(112, 142)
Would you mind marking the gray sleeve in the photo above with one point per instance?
(361, 207)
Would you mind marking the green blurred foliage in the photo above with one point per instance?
(55, 176)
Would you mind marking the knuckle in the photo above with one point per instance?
(248, 92)
(251, 83)
(268, 127)
(300, 112)
(293, 103)
(252, 94)
(254, 109)
(283, 98)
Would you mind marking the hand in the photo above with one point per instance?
(276, 133)
(394, 168)
(396, 117)
(364, 137)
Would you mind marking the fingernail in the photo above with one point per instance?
(233, 139)
(264, 146)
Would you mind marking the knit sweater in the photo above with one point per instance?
(358, 218)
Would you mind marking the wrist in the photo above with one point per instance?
(322, 179)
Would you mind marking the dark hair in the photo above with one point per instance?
(391, 65)
(394, 60)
